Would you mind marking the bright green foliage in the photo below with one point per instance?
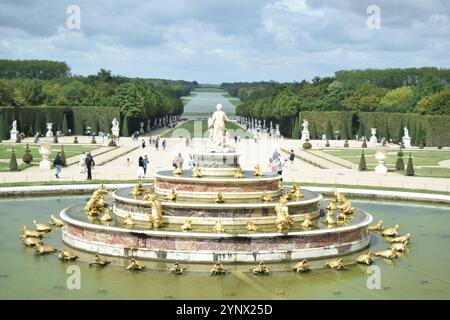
(438, 103)
(397, 100)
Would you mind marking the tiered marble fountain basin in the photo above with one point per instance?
(204, 211)
(248, 187)
(235, 244)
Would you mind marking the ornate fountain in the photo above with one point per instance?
(216, 213)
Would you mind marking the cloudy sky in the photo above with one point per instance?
(215, 41)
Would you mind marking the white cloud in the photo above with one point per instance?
(227, 40)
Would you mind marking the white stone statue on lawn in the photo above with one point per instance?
(14, 131)
(217, 123)
(115, 127)
(305, 131)
(406, 139)
(406, 132)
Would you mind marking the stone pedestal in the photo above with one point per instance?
(380, 155)
(115, 132)
(305, 135)
(13, 134)
(407, 142)
(217, 163)
(373, 139)
(45, 150)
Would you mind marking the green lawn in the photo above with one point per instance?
(19, 149)
(422, 160)
(199, 129)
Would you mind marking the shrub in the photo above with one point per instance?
(55, 139)
(362, 161)
(93, 140)
(13, 166)
(327, 144)
(63, 157)
(400, 164)
(27, 156)
(346, 144)
(75, 140)
(306, 145)
(410, 168)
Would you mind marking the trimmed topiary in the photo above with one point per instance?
(306, 145)
(55, 139)
(410, 168)
(36, 139)
(18, 140)
(400, 164)
(63, 157)
(362, 161)
(364, 144)
(75, 140)
(327, 144)
(93, 140)
(346, 144)
(13, 166)
(27, 156)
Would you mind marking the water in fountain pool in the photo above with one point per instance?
(422, 273)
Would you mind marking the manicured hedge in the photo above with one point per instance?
(320, 120)
(34, 118)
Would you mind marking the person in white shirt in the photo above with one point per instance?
(83, 162)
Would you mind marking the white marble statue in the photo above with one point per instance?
(115, 124)
(305, 131)
(115, 128)
(305, 125)
(406, 138)
(217, 122)
(14, 131)
(405, 132)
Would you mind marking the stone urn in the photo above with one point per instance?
(45, 150)
(49, 133)
(380, 156)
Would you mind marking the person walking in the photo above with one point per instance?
(292, 157)
(143, 144)
(164, 144)
(58, 164)
(83, 162)
(157, 144)
(140, 170)
(146, 162)
(89, 164)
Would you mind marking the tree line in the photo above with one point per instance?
(136, 98)
(415, 90)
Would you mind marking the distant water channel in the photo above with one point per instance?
(203, 103)
(421, 273)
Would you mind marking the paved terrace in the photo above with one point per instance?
(111, 165)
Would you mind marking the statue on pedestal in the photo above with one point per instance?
(115, 127)
(406, 138)
(217, 136)
(305, 131)
(14, 131)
